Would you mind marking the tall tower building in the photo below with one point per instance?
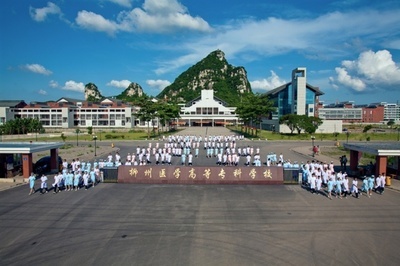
(299, 81)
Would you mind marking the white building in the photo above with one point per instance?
(207, 110)
(70, 113)
(391, 112)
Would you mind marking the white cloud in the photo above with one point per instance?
(92, 21)
(123, 3)
(352, 82)
(42, 92)
(53, 84)
(40, 14)
(370, 70)
(119, 83)
(326, 37)
(159, 16)
(74, 86)
(160, 84)
(36, 68)
(269, 83)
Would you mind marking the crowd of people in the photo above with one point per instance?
(318, 177)
(184, 150)
(73, 177)
(321, 178)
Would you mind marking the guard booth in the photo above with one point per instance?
(381, 150)
(24, 150)
(291, 175)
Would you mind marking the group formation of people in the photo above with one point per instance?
(223, 149)
(317, 175)
(72, 177)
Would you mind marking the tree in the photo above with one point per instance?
(166, 112)
(290, 120)
(147, 113)
(301, 122)
(253, 108)
(367, 128)
(90, 130)
(63, 137)
(22, 126)
(77, 131)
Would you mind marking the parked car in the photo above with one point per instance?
(42, 166)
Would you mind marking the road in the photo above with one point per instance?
(126, 224)
(115, 224)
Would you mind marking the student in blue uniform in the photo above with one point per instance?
(183, 159)
(330, 187)
(371, 184)
(93, 177)
(69, 181)
(339, 188)
(365, 186)
(77, 176)
(32, 180)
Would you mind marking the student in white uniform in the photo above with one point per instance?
(354, 187)
(318, 184)
(312, 183)
(381, 189)
(56, 182)
(346, 190)
(190, 159)
(43, 184)
(86, 180)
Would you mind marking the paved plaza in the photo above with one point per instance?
(126, 224)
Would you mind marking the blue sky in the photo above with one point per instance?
(51, 49)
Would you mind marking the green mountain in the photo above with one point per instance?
(92, 93)
(213, 72)
(132, 93)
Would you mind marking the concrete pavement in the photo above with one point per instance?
(114, 224)
(123, 224)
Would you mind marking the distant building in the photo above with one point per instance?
(296, 97)
(70, 113)
(207, 110)
(7, 108)
(345, 111)
(373, 113)
(348, 112)
(391, 112)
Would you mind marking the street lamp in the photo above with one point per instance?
(95, 146)
(398, 131)
(347, 136)
(77, 131)
(312, 148)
